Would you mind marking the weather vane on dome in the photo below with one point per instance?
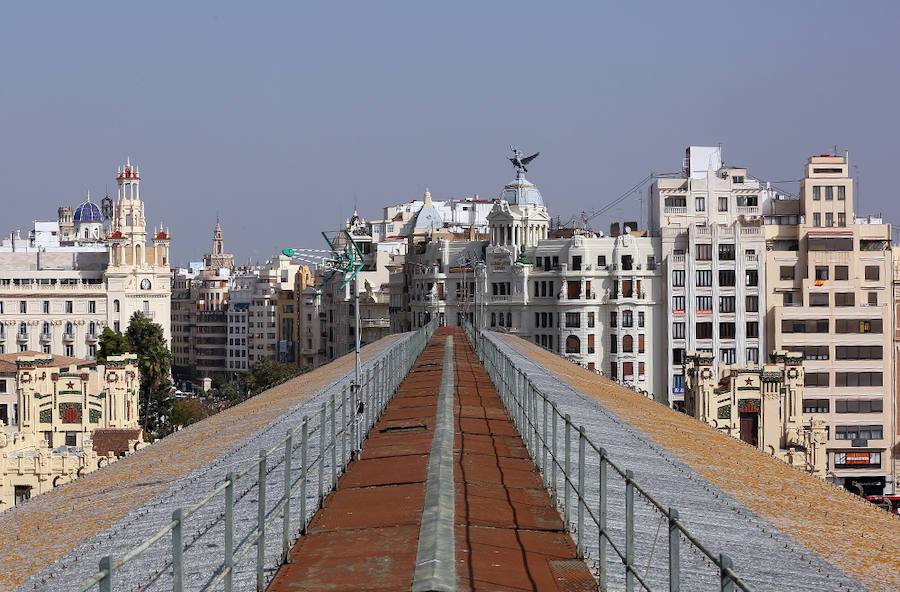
(519, 162)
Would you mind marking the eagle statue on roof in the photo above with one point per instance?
(519, 162)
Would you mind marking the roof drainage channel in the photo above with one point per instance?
(436, 556)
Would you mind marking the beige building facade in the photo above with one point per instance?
(71, 420)
(829, 274)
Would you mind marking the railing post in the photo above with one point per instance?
(725, 564)
(286, 516)
(580, 511)
(544, 444)
(177, 551)
(106, 566)
(261, 523)
(321, 484)
(674, 552)
(601, 552)
(304, 472)
(629, 531)
(535, 431)
(354, 417)
(229, 529)
(553, 458)
(567, 468)
(343, 428)
(333, 442)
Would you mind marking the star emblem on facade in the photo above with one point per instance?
(749, 381)
(70, 385)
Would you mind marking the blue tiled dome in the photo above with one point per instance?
(521, 192)
(88, 212)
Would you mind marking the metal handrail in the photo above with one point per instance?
(377, 387)
(537, 417)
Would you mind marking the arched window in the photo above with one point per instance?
(69, 329)
(92, 328)
(45, 328)
(627, 343)
(509, 319)
(115, 306)
(23, 329)
(573, 345)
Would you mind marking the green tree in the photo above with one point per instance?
(145, 338)
(112, 343)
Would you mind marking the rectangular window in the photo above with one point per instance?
(613, 319)
(704, 252)
(69, 306)
(678, 356)
(752, 329)
(727, 355)
(829, 193)
(858, 432)
(613, 344)
(723, 203)
(590, 320)
(573, 319)
(817, 219)
(858, 379)
(841, 272)
(92, 306)
(753, 354)
(803, 326)
(678, 383)
(842, 219)
(71, 438)
(858, 352)
(752, 277)
(678, 303)
(818, 299)
(601, 260)
(726, 303)
(829, 219)
(573, 289)
(858, 406)
(844, 299)
(752, 303)
(641, 319)
(815, 352)
(727, 330)
(704, 278)
(677, 330)
(817, 193)
(786, 272)
(815, 405)
(640, 343)
(678, 278)
(576, 262)
(873, 298)
(700, 204)
(873, 273)
(704, 303)
(704, 330)
(816, 379)
(726, 252)
(46, 307)
(858, 326)
(23, 306)
(726, 278)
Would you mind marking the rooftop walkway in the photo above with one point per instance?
(443, 497)
(784, 529)
(55, 539)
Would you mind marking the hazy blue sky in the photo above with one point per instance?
(279, 115)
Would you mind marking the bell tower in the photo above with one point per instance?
(129, 210)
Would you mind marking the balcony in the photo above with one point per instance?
(46, 336)
(675, 210)
(374, 323)
(752, 258)
(69, 336)
(22, 336)
(678, 259)
(148, 313)
(748, 210)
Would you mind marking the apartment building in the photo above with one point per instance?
(89, 269)
(709, 221)
(829, 274)
(593, 299)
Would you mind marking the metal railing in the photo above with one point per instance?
(343, 424)
(562, 452)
